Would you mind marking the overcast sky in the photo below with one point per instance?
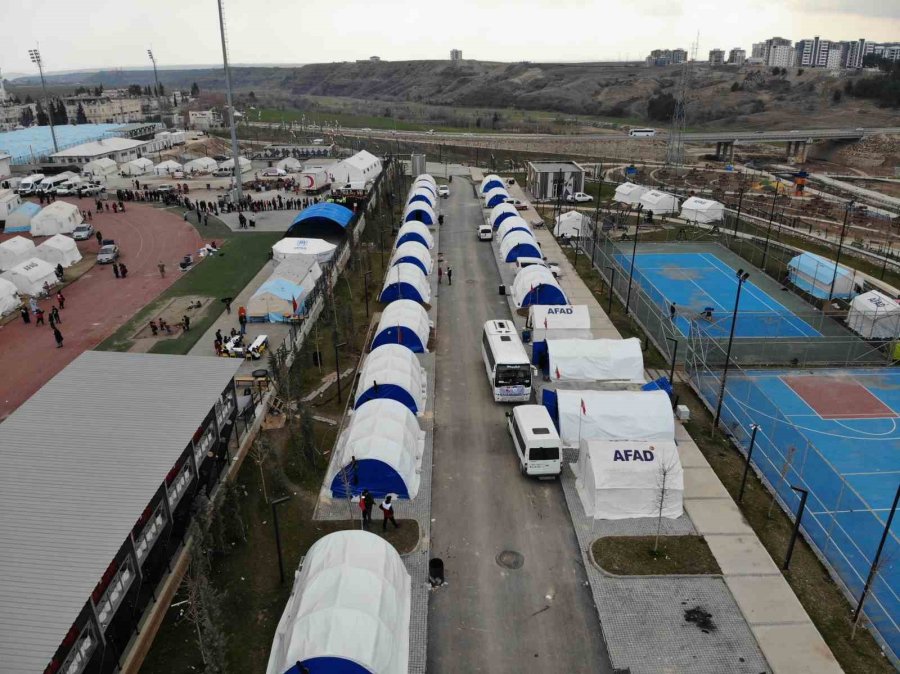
(117, 33)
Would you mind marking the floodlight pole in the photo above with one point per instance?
(800, 510)
(578, 230)
(755, 428)
(612, 283)
(235, 151)
(156, 79)
(837, 260)
(637, 227)
(35, 55)
(741, 277)
(874, 568)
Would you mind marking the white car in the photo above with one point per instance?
(579, 197)
(517, 203)
(273, 172)
(443, 191)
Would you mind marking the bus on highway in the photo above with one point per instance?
(642, 133)
(506, 363)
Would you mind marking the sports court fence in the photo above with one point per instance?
(840, 523)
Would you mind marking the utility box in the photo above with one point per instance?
(682, 413)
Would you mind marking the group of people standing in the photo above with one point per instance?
(33, 309)
(367, 504)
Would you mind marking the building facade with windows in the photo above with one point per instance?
(737, 56)
(205, 120)
(716, 57)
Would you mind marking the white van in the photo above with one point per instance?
(29, 185)
(485, 233)
(49, 184)
(536, 441)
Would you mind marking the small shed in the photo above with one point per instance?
(554, 179)
(659, 203)
(629, 193)
(495, 197)
(15, 251)
(405, 281)
(406, 323)
(275, 301)
(501, 212)
(60, 217)
(9, 297)
(874, 315)
(419, 211)
(414, 253)
(815, 275)
(519, 244)
(30, 276)
(415, 231)
(59, 249)
(392, 371)
(704, 211)
(536, 285)
(20, 219)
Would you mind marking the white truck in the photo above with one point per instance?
(29, 185)
(314, 179)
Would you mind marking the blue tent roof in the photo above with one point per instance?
(544, 294)
(412, 236)
(320, 219)
(497, 199)
(501, 218)
(388, 392)
(378, 477)
(491, 184)
(524, 250)
(400, 291)
(417, 214)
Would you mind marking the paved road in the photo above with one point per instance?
(540, 617)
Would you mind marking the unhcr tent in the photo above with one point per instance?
(874, 315)
(167, 168)
(501, 212)
(392, 371)
(572, 224)
(491, 182)
(381, 451)
(58, 249)
(561, 322)
(30, 276)
(515, 224)
(519, 244)
(290, 165)
(318, 249)
(535, 285)
(704, 211)
(242, 161)
(618, 480)
(60, 217)
(423, 194)
(661, 203)
(415, 231)
(9, 297)
(629, 193)
(321, 220)
(20, 219)
(201, 165)
(610, 415)
(419, 211)
(15, 251)
(137, 167)
(348, 612)
(594, 360)
(814, 274)
(413, 253)
(275, 301)
(406, 323)
(302, 270)
(405, 281)
(100, 168)
(495, 196)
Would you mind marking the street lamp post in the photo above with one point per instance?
(612, 284)
(742, 276)
(156, 79)
(737, 219)
(837, 261)
(274, 503)
(674, 356)
(577, 237)
(637, 227)
(35, 55)
(755, 428)
(337, 363)
(769, 229)
(800, 509)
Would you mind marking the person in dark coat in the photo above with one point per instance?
(369, 502)
(123, 270)
(57, 335)
(54, 314)
(26, 317)
(116, 269)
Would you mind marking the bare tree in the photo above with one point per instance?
(664, 484)
(260, 451)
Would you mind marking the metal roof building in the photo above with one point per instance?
(554, 179)
(94, 469)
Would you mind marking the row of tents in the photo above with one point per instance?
(412, 262)
(60, 217)
(26, 268)
(694, 209)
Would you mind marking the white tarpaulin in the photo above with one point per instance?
(15, 251)
(625, 479)
(243, 162)
(572, 224)
(350, 604)
(100, 168)
(563, 322)
(300, 270)
(318, 249)
(629, 193)
(60, 217)
(615, 415)
(874, 315)
(700, 210)
(596, 360)
(290, 165)
(30, 276)
(59, 249)
(9, 297)
(660, 203)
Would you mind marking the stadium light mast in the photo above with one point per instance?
(235, 151)
(742, 277)
(156, 79)
(35, 55)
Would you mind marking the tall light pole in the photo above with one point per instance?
(837, 261)
(637, 226)
(769, 229)
(156, 78)
(35, 55)
(235, 151)
(742, 276)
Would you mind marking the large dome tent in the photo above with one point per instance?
(59, 249)
(659, 202)
(320, 221)
(422, 194)
(415, 253)
(419, 211)
(426, 178)
(415, 231)
(572, 224)
(491, 182)
(403, 322)
(424, 185)
(519, 244)
(535, 284)
(9, 297)
(874, 315)
(30, 276)
(60, 217)
(495, 197)
(629, 193)
(405, 281)
(392, 371)
(201, 165)
(15, 251)
(516, 224)
(501, 212)
(168, 167)
(594, 360)
(317, 249)
(136, 167)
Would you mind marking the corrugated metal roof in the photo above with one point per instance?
(79, 462)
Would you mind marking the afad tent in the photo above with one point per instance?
(501, 212)
(20, 219)
(874, 315)
(60, 217)
(349, 610)
(201, 165)
(415, 231)
(560, 322)
(167, 167)
(15, 251)
(519, 244)
(405, 281)
(100, 169)
(814, 274)
(629, 193)
(595, 360)
(618, 480)
(536, 285)
(393, 372)
(423, 194)
(136, 167)
(30, 276)
(318, 249)
(491, 182)
(704, 211)
(9, 297)
(58, 249)
(572, 224)
(243, 162)
(413, 253)
(610, 415)
(510, 225)
(419, 211)
(381, 451)
(659, 203)
(290, 164)
(275, 301)
(406, 323)
(495, 196)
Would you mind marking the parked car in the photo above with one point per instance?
(517, 203)
(443, 191)
(165, 189)
(83, 232)
(220, 157)
(89, 189)
(579, 197)
(223, 172)
(108, 254)
(273, 172)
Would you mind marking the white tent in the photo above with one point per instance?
(536, 285)
(20, 219)
(596, 360)
(360, 168)
(516, 224)
(625, 479)
(490, 198)
(490, 182)
(501, 212)
(405, 281)
(419, 211)
(384, 438)
(392, 371)
(422, 192)
(167, 167)
(9, 297)
(561, 322)
(350, 605)
(615, 415)
(136, 167)
(100, 168)
(874, 315)
(290, 164)
(660, 203)
(15, 251)
(58, 249)
(404, 322)
(424, 185)
(301, 270)
(509, 246)
(229, 164)
(415, 231)
(30, 276)
(816, 275)
(319, 249)
(60, 217)
(275, 301)
(428, 178)
(704, 211)
(572, 224)
(629, 193)
(415, 253)
(201, 165)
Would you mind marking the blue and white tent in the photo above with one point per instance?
(20, 219)
(495, 196)
(320, 221)
(535, 285)
(814, 274)
(415, 253)
(491, 182)
(415, 231)
(519, 244)
(381, 451)
(426, 178)
(419, 211)
(422, 193)
(406, 323)
(392, 371)
(274, 301)
(516, 224)
(501, 212)
(405, 281)
(421, 184)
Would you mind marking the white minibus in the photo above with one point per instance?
(28, 186)
(506, 363)
(536, 440)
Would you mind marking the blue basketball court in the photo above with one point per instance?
(701, 283)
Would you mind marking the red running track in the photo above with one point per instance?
(97, 304)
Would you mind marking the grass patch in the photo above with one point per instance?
(634, 555)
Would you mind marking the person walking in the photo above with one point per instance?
(54, 314)
(440, 274)
(449, 275)
(61, 300)
(388, 509)
(672, 311)
(186, 322)
(366, 503)
(242, 320)
(33, 305)
(123, 270)
(57, 335)
(51, 319)
(99, 237)
(154, 328)
(116, 269)
(26, 317)
(59, 272)
(39, 317)
(162, 269)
